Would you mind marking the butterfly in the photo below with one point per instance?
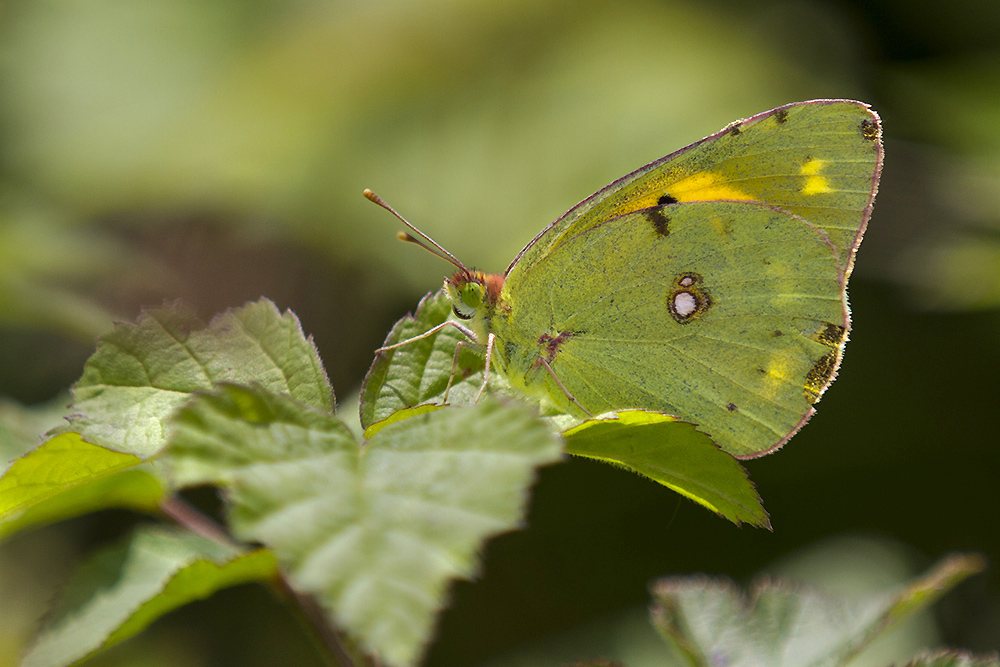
(710, 284)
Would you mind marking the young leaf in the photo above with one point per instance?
(954, 659)
(711, 622)
(68, 476)
(376, 532)
(135, 489)
(418, 372)
(122, 589)
(142, 372)
(674, 454)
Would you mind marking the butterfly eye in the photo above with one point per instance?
(472, 295)
(466, 298)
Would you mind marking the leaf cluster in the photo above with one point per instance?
(363, 531)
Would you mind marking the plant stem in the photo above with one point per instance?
(322, 630)
(329, 639)
(184, 514)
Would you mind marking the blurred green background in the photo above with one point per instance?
(215, 151)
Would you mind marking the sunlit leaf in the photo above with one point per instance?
(377, 532)
(418, 372)
(67, 476)
(142, 372)
(135, 489)
(674, 454)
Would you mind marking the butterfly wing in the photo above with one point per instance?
(820, 160)
(730, 315)
(710, 284)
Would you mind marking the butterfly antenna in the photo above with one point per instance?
(421, 239)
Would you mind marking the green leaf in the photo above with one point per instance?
(68, 476)
(711, 622)
(418, 372)
(954, 659)
(376, 533)
(122, 589)
(134, 489)
(674, 454)
(142, 372)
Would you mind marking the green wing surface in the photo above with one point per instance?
(727, 314)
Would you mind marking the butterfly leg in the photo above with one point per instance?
(430, 332)
(566, 391)
(490, 339)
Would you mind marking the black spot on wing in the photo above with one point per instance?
(869, 129)
(831, 335)
(820, 375)
(781, 115)
(659, 221)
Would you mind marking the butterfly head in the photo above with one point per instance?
(474, 295)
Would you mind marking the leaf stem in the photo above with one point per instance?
(184, 514)
(324, 633)
(330, 641)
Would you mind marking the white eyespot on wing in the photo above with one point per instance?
(685, 303)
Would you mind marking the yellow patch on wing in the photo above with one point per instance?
(706, 186)
(778, 371)
(703, 186)
(815, 182)
(722, 226)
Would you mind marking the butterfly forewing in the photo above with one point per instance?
(820, 160)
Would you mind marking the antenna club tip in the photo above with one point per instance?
(403, 236)
(371, 196)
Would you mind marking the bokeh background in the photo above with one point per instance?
(215, 151)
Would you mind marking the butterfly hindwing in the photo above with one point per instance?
(727, 314)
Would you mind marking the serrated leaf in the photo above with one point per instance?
(954, 659)
(674, 454)
(122, 589)
(67, 476)
(375, 533)
(418, 372)
(711, 622)
(142, 372)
